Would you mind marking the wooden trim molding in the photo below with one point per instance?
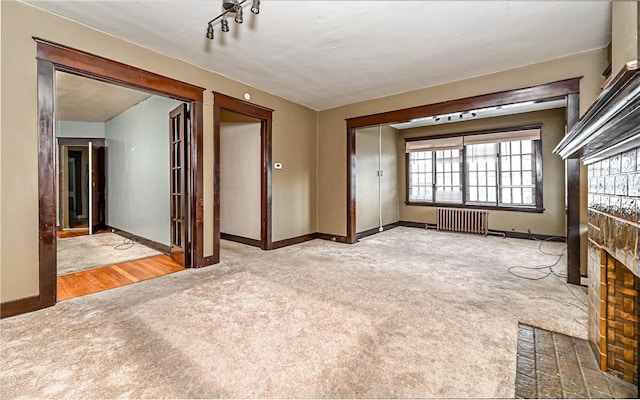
(567, 88)
(374, 231)
(546, 91)
(54, 57)
(95, 142)
(80, 62)
(20, 306)
(509, 234)
(265, 115)
(240, 239)
(332, 238)
(294, 240)
(139, 239)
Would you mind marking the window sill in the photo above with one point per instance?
(534, 210)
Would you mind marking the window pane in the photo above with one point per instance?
(527, 165)
(517, 196)
(506, 179)
(506, 195)
(527, 196)
(491, 195)
(527, 178)
(515, 163)
(473, 194)
(482, 194)
(482, 179)
(515, 147)
(516, 178)
(505, 163)
(473, 178)
(420, 166)
(526, 147)
(505, 148)
(491, 179)
(449, 195)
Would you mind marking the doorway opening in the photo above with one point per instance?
(568, 90)
(240, 179)
(122, 182)
(246, 127)
(52, 58)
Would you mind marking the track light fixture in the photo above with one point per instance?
(255, 7)
(238, 18)
(234, 7)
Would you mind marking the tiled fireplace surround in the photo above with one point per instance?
(613, 265)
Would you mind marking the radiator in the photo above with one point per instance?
(463, 220)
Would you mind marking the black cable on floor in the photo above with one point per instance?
(125, 245)
(548, 269)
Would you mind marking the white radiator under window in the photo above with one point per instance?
(463, 220)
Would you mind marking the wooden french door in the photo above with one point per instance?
(179, 126)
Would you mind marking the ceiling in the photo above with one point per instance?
(323, 54)
(88, 100)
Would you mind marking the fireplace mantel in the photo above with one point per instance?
(611, 125)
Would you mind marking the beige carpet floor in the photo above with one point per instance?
(406, 313)
(91, 251)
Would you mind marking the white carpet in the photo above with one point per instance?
(86, 252)
(405, 313)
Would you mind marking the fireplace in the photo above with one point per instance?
(614, 285)
(607, 140)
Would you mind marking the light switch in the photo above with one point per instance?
(277, 165)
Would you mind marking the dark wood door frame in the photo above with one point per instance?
(52, 57)
(568, 89)
(265, 115)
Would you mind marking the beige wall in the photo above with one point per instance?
(552, 221)
(369, 200)
(624, 33)
(294, 138)
(332, 125)
(240, 168)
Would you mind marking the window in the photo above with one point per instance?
(492, 169)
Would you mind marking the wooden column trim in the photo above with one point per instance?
(47, 242)
(351, 186)
(573, 198)
(216, 184)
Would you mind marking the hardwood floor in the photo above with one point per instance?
(76, 232)
(113, 276)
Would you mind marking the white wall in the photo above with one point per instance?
(138, 198)
(240, 179)
(78, 129)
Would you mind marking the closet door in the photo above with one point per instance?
(389, 176)
(367, 182)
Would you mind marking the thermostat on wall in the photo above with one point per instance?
(277, 165)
